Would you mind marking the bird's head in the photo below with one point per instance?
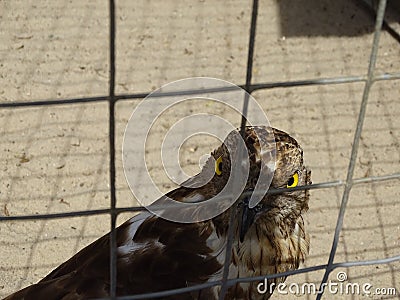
(238, 161)
(289, 172)
(259, 159)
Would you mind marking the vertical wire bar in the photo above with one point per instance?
(356, 142)
(249, 72)
(111, 102)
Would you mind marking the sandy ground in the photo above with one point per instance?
(55, 158)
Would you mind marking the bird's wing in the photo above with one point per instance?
(86, 271)
(153, 254)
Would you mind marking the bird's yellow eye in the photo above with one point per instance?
(293, 181)
(218, 166)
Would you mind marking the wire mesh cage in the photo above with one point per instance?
(328, 73)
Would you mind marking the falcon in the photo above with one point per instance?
(155, 254)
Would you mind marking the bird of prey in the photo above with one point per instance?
(155, 254)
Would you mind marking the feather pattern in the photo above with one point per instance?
(154, 254)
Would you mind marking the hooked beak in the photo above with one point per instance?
(248, 215)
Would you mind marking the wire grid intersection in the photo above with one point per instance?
(225, 283)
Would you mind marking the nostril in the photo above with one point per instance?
(258, 207)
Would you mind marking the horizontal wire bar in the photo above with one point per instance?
(252, 87)
(79, 213)
(231, 282)
(162, 207)
(379, 261)
(348, 264)
(53, 102)
(324, 81)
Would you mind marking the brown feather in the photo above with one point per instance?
(154, 254)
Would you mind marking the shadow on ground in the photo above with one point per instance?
(331, 18)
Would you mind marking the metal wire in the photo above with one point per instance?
(249, 73)
(120, 210)
(225, 283)
(229, 282)
(251, 88)
(367, 5)
(234, 281)
(356, 142)
(111, 142)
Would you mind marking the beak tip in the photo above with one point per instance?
(247, 221)
(248, 215)
(241, 237)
